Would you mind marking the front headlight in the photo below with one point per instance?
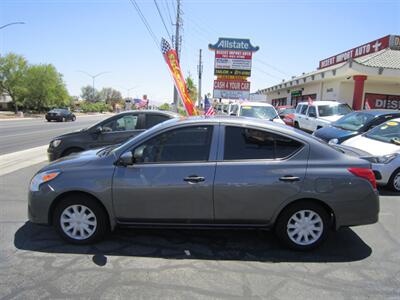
(385, 159)
(55, 143)
(333, 141)
(42, 177)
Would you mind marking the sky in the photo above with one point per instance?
(97, 36)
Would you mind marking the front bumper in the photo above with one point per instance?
(383, 172)
(39, 204)
(53, 153)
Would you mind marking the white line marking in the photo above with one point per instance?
(17, 160)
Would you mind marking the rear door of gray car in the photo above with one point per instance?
(172, 181)
(257, 172)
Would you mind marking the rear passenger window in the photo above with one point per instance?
(245, 143)
(152, 120)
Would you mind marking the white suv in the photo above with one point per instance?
(259, 110)
(319, 114)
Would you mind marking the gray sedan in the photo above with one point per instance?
(209, 172)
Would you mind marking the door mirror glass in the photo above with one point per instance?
(126, 159)
(138, 154)
(98, 130)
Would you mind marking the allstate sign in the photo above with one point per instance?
(233, 44)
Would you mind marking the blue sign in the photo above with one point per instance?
(233, 44)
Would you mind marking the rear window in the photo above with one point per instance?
(333, 110)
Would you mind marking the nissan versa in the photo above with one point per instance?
(213, 172)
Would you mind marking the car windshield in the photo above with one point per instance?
(259, 112)
(353, 121)
(388, 132)
(57, 110)
(333, 110)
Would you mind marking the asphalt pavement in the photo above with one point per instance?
(16, 135)
(357, 263)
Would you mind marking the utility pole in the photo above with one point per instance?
(177, 44)
(199, 71)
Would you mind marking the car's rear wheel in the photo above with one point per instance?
(80, 220)
(394, 181)
(303, 225)
(73, 118)
(63, 119)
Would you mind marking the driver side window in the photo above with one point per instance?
(124, 123)
(177, 145)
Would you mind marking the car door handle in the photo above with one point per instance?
(194, 179)
(289, 178)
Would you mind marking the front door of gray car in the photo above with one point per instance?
(257, 173)
(171, 179)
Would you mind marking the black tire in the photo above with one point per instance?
(392, 181)
(70, 151)
(73, 118)
(63, 119)
(281, 225)
(102, 223)
(296, 125)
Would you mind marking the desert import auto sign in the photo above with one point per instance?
(232, 66)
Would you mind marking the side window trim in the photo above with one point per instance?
(221, 148)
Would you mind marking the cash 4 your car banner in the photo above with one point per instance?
(172, 61)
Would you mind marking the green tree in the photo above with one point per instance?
(110, 96)
(164, 106)
(13, 69)
(90, 94)
(44, 88)
(192, 89)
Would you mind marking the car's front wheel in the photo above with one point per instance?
(394, 181)
(80, 220)
(303, 225)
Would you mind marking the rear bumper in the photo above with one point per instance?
(357, 212)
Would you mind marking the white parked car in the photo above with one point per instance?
(381, 146)
(259, 110)
(318, 115)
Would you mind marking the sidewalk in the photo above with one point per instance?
(10, 116)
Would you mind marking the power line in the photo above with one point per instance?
(146, 24)
(162, 20)
(169, 12)
(272, 67)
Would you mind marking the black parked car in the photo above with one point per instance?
(354, 124)
(60, 115)
(113, 130)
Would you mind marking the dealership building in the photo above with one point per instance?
(365, 76)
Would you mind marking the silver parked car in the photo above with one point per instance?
(213, 172)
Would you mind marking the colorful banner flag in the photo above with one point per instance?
(208, 108)
(172, 61)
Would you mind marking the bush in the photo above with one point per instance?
(95, 107)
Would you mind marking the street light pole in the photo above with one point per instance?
(10, 24)
(93, 78)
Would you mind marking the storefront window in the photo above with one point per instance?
(382, 101)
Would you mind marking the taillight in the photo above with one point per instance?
(364, 173)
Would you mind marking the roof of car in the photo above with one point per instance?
(249, 103)
(379, 112)
(151, 111)
(322, 102)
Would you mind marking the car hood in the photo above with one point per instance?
(374, 147)
(69, 135)
(73, 160)
(332, 132)
(331, 118)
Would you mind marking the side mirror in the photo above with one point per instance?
(138, 154)
(98, 130)
(126, 159)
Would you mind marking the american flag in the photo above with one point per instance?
(165, 46)
(366, 105)
(140, 103)
(208, 109)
